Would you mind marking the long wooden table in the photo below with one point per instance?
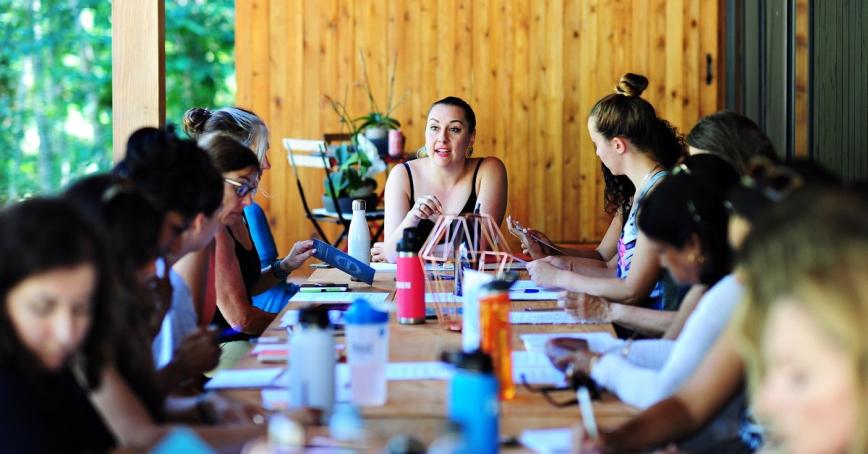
(418, 408)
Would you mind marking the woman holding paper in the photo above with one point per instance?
(686, 220)
(446, 181)
(236, 262)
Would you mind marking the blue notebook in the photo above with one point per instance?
(342, 261)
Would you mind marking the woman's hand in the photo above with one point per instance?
(533, 243)
(426, 207)
(378, 252)
(559, 350)
(301, 251)
(586, 307)
(198, 352)
(584, 444)
(559, 261)
(543, 273)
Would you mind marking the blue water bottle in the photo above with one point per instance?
(473, 401)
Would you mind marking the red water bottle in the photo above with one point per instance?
(410, 281)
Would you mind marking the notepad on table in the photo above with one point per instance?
(545, 318)
(339, 297)
(245, 378)
(598, 342)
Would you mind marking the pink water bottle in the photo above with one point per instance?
(410, 281)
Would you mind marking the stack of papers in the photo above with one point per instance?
(245, 378)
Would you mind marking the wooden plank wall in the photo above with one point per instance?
(530, 69)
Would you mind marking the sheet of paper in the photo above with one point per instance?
(383, 267)
(245, 378)
(278, 398)
(338, 297)
(548, 441)
(536, 369)
(441, 297)
(598, 342)
(535, 294)
(544, 318)
(430, 370)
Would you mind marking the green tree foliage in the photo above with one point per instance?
(55, 83)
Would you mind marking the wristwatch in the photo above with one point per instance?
(277, 271)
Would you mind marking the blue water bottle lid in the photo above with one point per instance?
(362, 313)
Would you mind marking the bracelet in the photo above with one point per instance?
(277, 271)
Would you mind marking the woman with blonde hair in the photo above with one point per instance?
(803, 324)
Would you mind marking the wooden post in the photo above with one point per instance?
(138, 68)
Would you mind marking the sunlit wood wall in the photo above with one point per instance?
(531, 70)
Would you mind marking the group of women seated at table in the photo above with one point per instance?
(735, 282)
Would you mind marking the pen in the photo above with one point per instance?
(531, 290)
(542, 309)
(323, 289)
(587, 409)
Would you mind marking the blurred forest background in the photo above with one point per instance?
(56, 84)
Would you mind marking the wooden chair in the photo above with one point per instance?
(317, 154)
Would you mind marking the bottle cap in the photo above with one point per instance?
(477, 361)
(498, 285)
(362, 313)
(314, 316)
(408, 240)
(358, 204)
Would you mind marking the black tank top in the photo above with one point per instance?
(248, 262)
(425, 226)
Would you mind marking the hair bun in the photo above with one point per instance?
(632, 85)
(194, 121)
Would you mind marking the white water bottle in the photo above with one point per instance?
(359, 237)
(312, 362)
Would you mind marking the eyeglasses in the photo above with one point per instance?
(242, 188)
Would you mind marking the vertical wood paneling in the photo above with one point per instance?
(574, 129)
(531, 69)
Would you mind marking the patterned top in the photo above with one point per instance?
(627, 242)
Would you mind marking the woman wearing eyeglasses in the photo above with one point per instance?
(685, 219)
(237, 270)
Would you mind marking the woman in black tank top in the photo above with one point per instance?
(418, 192)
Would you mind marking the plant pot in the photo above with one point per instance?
(346, 203)
(380, 138)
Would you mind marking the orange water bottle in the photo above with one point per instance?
(496, 332)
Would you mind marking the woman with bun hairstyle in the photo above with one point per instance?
(636, 148)
(250, 232)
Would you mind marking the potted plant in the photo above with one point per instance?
(377, 122)
(353, 167)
